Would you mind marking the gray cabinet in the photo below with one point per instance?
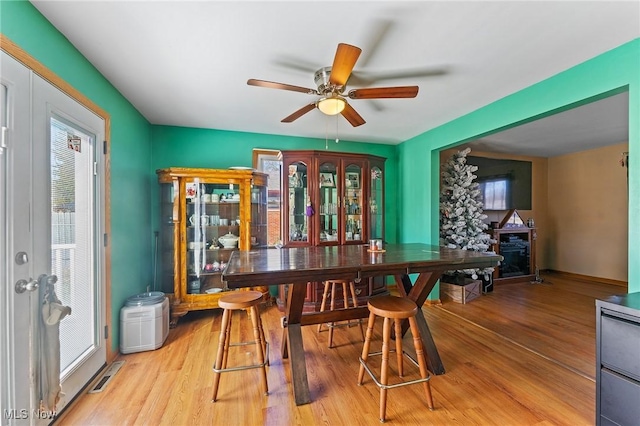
(618, 360)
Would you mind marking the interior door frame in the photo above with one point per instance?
(34, 65)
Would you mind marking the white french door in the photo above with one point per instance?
(14, 220)
(51, 214)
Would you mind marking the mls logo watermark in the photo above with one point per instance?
(23, 414)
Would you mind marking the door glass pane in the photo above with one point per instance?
(72, 238)
(298, 199)
(329, 203)
(353, 202)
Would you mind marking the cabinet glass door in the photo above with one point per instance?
(213, 231)
(259, 235)
(298, 199)
(168, 236)
(353, 210)
(376, 225)
(329, 202)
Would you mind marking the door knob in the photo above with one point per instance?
(32, 285)
(24, 285)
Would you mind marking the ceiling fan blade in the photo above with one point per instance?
(376, 32)
(352, 116)
(282, 86)
(299, 113)
(368, 78)
(384, 92)
(297, 64)
(343, 63)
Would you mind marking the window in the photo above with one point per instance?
(495, 193)
(266, 161)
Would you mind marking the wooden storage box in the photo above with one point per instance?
(461, 293)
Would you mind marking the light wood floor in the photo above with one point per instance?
(521, 355)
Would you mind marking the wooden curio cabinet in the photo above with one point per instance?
(206, 214)
(332, 198)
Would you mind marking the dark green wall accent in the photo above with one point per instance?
(517, 172)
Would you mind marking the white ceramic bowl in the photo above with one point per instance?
(229, 240)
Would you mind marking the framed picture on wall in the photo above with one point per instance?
(326, 180)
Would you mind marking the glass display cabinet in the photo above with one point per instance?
(206, 214)
(332, 198)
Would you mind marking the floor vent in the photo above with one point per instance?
(106, 377)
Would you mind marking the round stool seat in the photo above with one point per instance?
(392, 307)
(240, 300)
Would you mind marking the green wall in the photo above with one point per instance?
(607, 74)
(131, 187)
(190, 147)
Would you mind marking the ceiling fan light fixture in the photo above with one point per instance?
(332, 105)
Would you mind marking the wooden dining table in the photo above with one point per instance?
(415, 267)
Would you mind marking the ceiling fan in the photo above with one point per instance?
(331, 82)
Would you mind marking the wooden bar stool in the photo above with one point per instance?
(333, 284)
(240, 300)
(396, 309)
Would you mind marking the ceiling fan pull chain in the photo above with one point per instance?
(326, 133)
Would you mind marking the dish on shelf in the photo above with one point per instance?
(229, 240)
(213, 290)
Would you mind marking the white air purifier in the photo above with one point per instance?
(144, 323)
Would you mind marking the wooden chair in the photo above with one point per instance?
(396, 309)
(333, 284)
(240, 300)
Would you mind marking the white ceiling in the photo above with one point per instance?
(594, 125)
(186, 63)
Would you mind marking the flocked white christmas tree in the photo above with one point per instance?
(461, 210)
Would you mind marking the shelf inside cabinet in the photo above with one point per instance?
(209, 273)
(218, 249)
